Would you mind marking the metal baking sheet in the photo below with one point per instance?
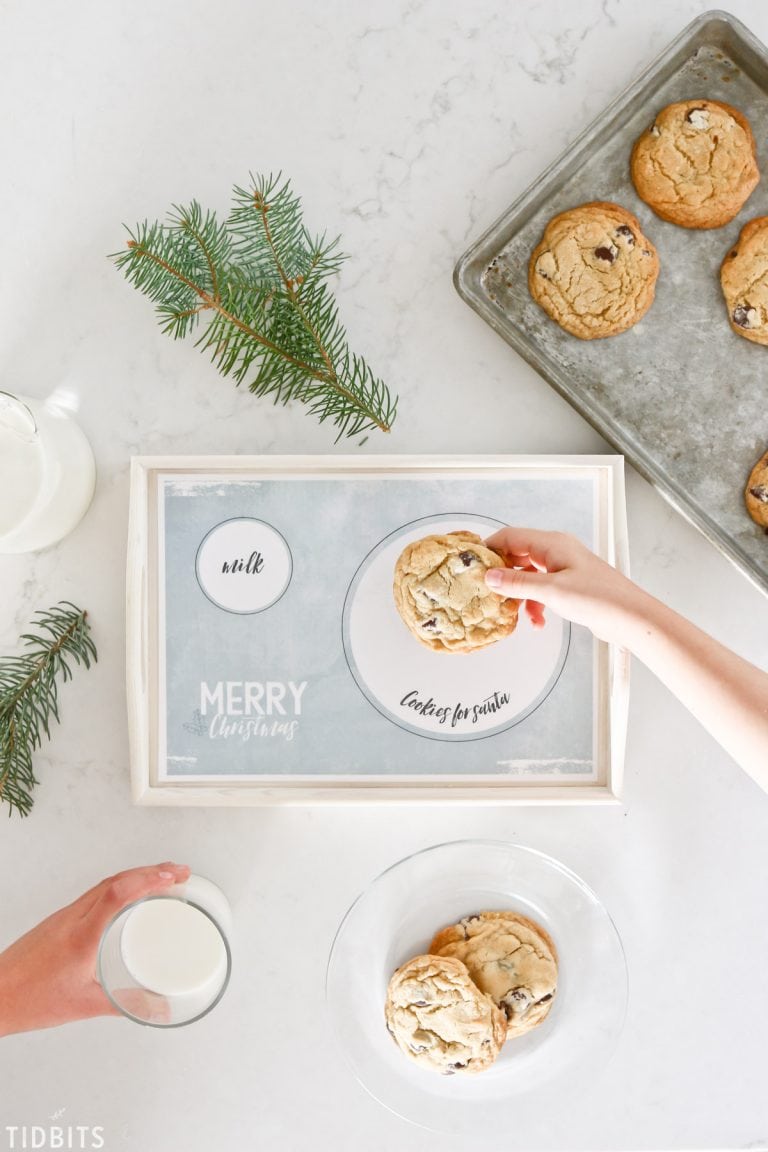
(680, 394)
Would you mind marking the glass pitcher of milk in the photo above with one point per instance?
(47, 473)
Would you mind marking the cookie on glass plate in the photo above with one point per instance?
(697, 164)
(440, 1019)
(594, 272)
(440, 592)
(744, 280)
(511, 959)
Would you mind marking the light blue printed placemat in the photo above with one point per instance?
(281, 652)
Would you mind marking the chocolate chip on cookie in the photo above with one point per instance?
(594, 272)
(744, 316)
(744, 280)
(697, 166)
(698, 116)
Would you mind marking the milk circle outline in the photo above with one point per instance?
(243, 565)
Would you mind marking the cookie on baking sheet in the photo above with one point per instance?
(756, 492)
(594, 272)
(440, 1019)
(696, 165)
(744, 280)
(441, 594)
(510, 958)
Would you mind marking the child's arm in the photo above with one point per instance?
(727, 694)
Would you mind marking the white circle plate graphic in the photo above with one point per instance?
(243, 565)
(443, 695)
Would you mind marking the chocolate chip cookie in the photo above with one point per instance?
(744, 280)
(594, 272)
(696, 165)
(439, 1018)
(441, 594)
(511, 959)
(756, 492)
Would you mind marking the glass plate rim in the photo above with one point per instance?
(464, 842)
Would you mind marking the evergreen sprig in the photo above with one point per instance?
(258, 284)
(29, 695)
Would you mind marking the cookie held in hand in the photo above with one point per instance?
(696, 165)
(441, 594)
(744, 280)
(511, 959)
(439, 1018)
(594, 272)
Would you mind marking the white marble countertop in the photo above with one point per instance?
(408, 126)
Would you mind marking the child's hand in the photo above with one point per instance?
(48, 976)
(557, 570)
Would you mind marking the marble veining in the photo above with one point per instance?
(407, 126)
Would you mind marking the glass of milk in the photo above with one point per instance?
(47, 473)
(165, 960)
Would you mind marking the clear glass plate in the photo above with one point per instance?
(395, 919)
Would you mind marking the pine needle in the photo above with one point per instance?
(254, 290)
(29, 695)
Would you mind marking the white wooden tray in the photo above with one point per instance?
(266, 663)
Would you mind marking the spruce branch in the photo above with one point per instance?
(257, 286)
(29, 695)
